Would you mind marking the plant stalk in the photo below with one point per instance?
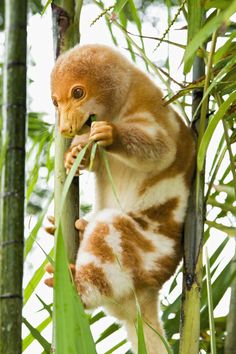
(66, 16)
(12, 197)
(194, 226)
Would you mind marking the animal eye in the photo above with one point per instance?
(54, 101)
(78, 92)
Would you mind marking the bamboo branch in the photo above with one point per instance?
(12, 198)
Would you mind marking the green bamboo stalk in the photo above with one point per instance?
(194, 228)
(66, 15)
(12, 198)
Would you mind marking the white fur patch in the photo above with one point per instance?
(120, 280)
(163, 191)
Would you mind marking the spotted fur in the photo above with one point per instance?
(151, 153)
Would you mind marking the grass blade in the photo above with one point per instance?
(107, 166)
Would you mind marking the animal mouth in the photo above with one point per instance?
(90, 120)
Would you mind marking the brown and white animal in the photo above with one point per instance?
(151, 153)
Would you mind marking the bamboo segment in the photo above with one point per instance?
(12, 198)
(66, 16)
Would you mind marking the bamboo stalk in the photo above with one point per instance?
(66, 16)
(12, 198)
(192, 275)
(194, 227)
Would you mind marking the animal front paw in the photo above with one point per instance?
(80, 225)
(103, 133)
(70, 157)
(50, 270)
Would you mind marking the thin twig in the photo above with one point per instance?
(171, 24)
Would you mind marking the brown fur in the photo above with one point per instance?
(98, 245)
(92, 275)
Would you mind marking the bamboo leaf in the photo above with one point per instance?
(30, 337)
(119, 5)
(108, 331)
(211, 26)
(139, 327)
(219, 4)
(123, 20)
(46, 6)
(37, 335)
(36, 278)
(72, 331)
(97, 317)
(230, 231)
(116, 346)
(224, 48)
(211, 128)
(31, 238)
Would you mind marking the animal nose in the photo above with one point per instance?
(66, 130)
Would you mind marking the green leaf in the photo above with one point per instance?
(72, 331)
(224, 48)
(108, 170)
(32, 236)
(211, 26)
(36, 278)
(72, 174)
(194, 20)
(141, 341)
(46, 6)
(37, 335)
(116, 347)
(211, 128)
(124, 22)
(31, 336)
(108, 331)
(218, 4)
(119, 5)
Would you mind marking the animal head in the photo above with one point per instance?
(88, 80)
